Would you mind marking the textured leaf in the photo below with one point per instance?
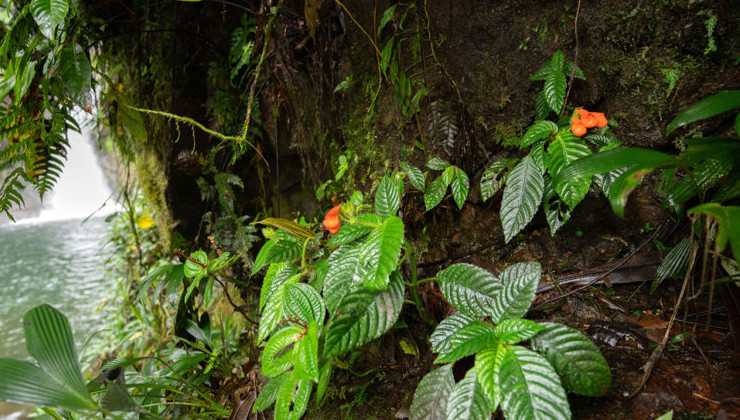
(674, 265)
(364, 316)
(556, 211)
(519, 286)
(487, 367)
(460, 187)
(623, 186)
(469, 340)
(49, 14)
(555, 90)
(304, 302)
(448, 175)
(275, 276)
(578, 74)
(441, 338)
(273, 366)
(538, 131)
(345, 275)
(530, 388)
(417, 179)
(348, 233)
(438, 164)
(705, 108)
(522, 197)
(292, 398)
(494, 177)
(270, 391)
(432, 393)
(387, 16)
(117, 397)
(323, 385)
(380, 253)
(25, 383)
(468, 400)
(277, 251)
(193, 268)
(575, 358)
(434, 193)
(75, 71)
(307, 353)
(703, 177)
(387, 198)
(542, 73)
(615, 159)
(470, 289)
(557, 63)
(274, 308)
(289, 226)
(563, 151)
(537, 153)
(541, 108)
(512, 331)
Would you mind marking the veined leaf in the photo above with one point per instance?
(324, 377)
(470, 289)
(380, 253)
(512, 331)
(568, 69)
(541, 108)
(674, 265)
(556, 211)
(623, 186)
(438, 164)
(387, 16)
(728, 219)
(469, 340)
(304, 302)
(575, 358)
(387, 198)
(434, 193)
(538, 131)
(75, 70)
(460, 187)
(277, 251)
(441, 338)
(272, 366)
(705, 108)
(555, 90)
(705, 176)
(292, 398)
(610, 160)
(530, 387)
(447, 175)
(348, 233)
(519, 286)
(522, 197)
(432, 393)
(196, 265)
(270, 391)
(307, 353)
(417, 179)
(274, 307)
(49, 14)
(345, 275)
(468, 400)
(557, 63)
(364, 316)
(537, 153)
(487, 367)
(563, 151)
(542, 73)
(276, 275)
(289, 226)
(494, 177)
(25, 383)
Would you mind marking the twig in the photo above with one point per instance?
(575, 59)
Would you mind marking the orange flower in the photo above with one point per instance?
(601, 120)
(331, 221)
(587, 120)
(578, 129)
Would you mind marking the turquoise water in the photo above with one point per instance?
(55, 262)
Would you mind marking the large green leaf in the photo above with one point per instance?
(494, 177)
(441, 338)
(75, 71)
(538, 131)
(417, 178)
(49, 14)
(274, 310)
(277, 250)
(522, 197)
(289, 226)
(292, 398)
(387, 198)
(487, 366)
(345, 275)
(512, 331)
(610, 160)
(530, 388)
(349, 232)
(674, 265)
(438, 164)
(468, 400)
(304, 302)
(307, 353)
(460, 187)
(728, 218)
(555, 90)
(623, 187)
(269, 392)
(58, 379)
(703, 177)
(274, 360)
(565, 149)
(519, 286)
(432, 393)
(575, 358)
(469, 340)
(541, 108)
(363, 316)
(380, 253)
(196, 264)
(705, 108)
(557, 212)
(434, 193)
(470, 289)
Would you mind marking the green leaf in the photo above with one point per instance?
(575, 358)
(304, 302)
(323, 385)
(345, 275)
(705, 108)
(438, 164)
(558, 61)
(364, 316)
(432, 393)
(541, 108)
(468, 400)
(276, 250)
(568, 70)
(434, 193)
(289, 226)
(49, 14)
(537, 153)
(387, 16)
(292, 398)
(274, 307)
(58, 379)
(728, 218)
(23, 82)
(522, 197)
(460, 187)
(417, 179)
(703, 177)
(519, 286)
(487, 367)
(441, 338)
(275, 276)
(512, 331)
(494, 177)
(542, 73)
(348, 232)
(196, 331)
(556, 211)
(610, 160)
(538, 131)
(198, 266)
(623, 186)
(447, 175)
(530, 387)
(555, 90)
(218, 263)
(270, 391)
(469, 340)
(470, 289)
(117, 397)
(380, 253)
(307, 353)
(674, 265)
(272, 366)
(387, 198)
(563, 151)
(75, 71)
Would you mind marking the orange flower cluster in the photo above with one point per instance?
(586, 120)
(331, 221)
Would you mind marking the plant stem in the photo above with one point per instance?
(414, 286)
